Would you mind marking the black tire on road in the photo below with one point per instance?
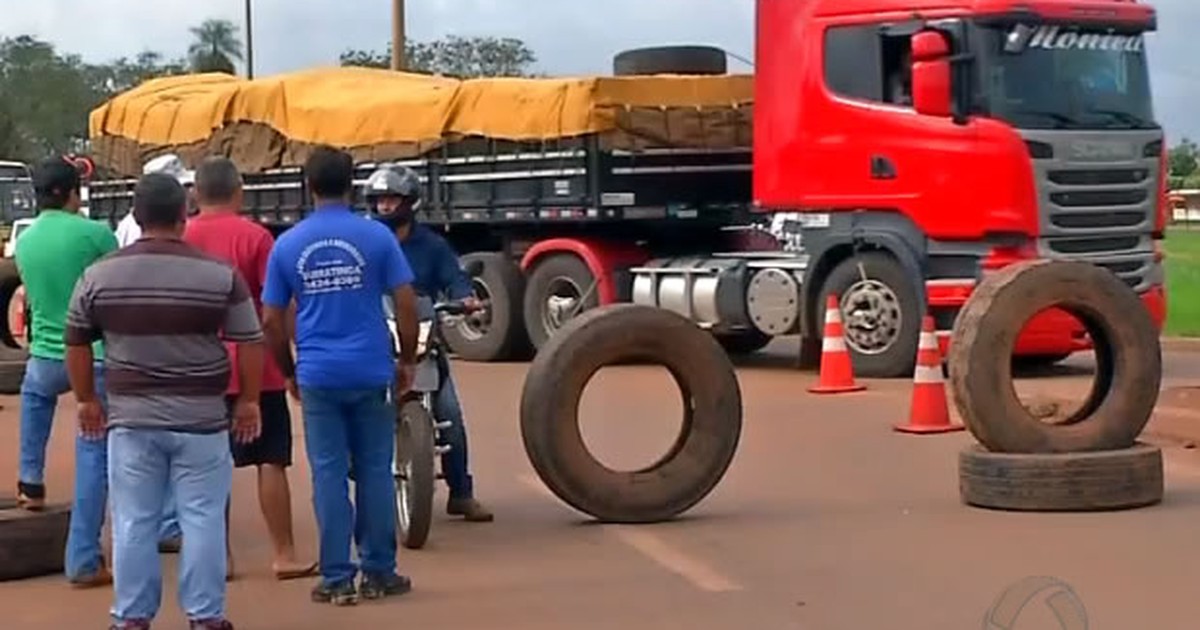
(505, 337)
(565, 275)
(1061, 482)
(626, 333)
(10, 280)
(671, 60)
(12, 370)
(888, 355)
(32, 544)
(745, 342)
(414, 444)
(1128, 359)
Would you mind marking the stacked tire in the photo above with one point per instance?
(1089, 461)
(12, 349)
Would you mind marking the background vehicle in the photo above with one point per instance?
(18, 207)
(418, 444)
(900, 149)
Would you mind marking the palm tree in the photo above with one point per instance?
(216, 47)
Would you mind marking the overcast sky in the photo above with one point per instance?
(569, 36)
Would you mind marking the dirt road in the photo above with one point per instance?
(828, 520)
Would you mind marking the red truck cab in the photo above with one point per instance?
(952, 137)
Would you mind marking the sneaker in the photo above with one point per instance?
(102, 577)
(471, 510)
(343, 594)
(381, 586)
(130, 624)
(31, 496)
(211, 624)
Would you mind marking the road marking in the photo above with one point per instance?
(657, 550)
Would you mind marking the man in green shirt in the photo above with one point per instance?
(51, 255)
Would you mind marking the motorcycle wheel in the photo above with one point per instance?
(415, 474)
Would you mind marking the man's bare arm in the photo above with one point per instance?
(279, 339)
(404, 298)
(250, 359)
(81, 373)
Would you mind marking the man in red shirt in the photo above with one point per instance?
(219, 231)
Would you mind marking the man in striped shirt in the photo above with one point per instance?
(161, 307)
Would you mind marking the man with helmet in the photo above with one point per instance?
(393, 195)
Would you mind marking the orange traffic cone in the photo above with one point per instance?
(837, 373)
(929, 412)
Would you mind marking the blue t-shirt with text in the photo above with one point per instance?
(335, 265)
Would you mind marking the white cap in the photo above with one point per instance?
(170, 164)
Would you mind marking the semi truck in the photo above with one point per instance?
(890, 153)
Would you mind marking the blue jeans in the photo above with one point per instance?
(338, 425)
(146, 465)
(446, 408)
(46, 380)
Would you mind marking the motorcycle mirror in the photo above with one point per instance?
(474, 268)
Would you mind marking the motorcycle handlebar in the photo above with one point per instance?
(456, 308)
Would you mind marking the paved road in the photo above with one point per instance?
(828, 520)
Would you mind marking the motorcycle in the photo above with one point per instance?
(418, 441)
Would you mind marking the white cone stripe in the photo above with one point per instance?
(833, 315)
(929, 341)
(833, 344)
(925, 374)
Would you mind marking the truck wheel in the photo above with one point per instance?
(744, 342)
(880, 314)
(499, 333)
(17, 318)
(10, 281)
(32, 544)
(671, 60)
(1128, 359)
(12, 370)
(1062, 482)
(628, 333)
(560, 288)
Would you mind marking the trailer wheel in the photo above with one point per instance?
(12, 370)
(880, 314)
(1128, 358)
(671, 60)
(560, 288)
(1061, 482)
(744, 342)
(10, 282)
(32, 544)
(499, 333)
(627, 333)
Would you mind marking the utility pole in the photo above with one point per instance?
(398, 43)
(249, 42)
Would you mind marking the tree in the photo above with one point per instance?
(460, 57)
(1184, 159)
(216, 47)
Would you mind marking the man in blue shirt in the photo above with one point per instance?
(395, 192)
(335, 265)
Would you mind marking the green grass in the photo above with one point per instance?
(1183, 282)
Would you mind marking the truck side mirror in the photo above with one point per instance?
(931, 74)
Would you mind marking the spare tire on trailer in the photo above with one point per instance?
(10, 281)
(626, 333)
(671, 60)
(503, 337)
(1062, 482)
(32, 544)
(1128, 358)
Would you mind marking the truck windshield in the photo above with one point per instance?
(16, 199)
(1062, 77)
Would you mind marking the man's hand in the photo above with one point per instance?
(292, 388)
(406, 373)
(92, 423)
(247, 421)
(473, 304)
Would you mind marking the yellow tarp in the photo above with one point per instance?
(358, 107)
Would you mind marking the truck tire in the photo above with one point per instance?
(1128, 359)
(1064, 482)
(10, 281)
(12, 370)
(745, 342)
(504, 337)
(671, 60)
(880, 314)
(559, 285)
(627, 333)
(32, 544)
